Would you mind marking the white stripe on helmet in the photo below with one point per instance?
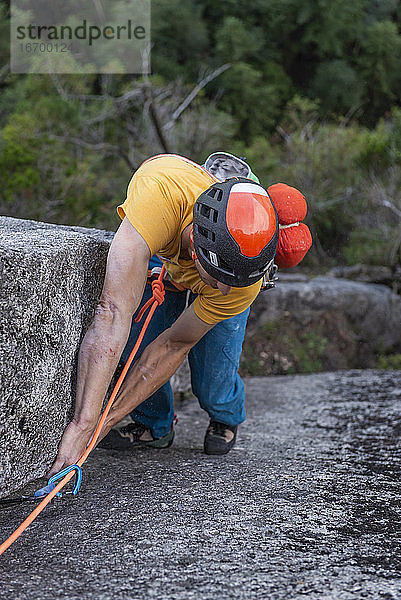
(250, 188)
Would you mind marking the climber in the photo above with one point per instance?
(216, 230)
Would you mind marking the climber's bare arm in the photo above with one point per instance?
(157, 364)
(105, 339)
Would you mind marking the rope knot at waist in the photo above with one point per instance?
(158, 291)
(157, 296)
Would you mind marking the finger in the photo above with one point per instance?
(57, 466)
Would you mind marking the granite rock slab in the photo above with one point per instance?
(51, 278)
(307, 505)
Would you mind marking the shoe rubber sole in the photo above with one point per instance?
(114, 441)
(163, 442)
(217, 446)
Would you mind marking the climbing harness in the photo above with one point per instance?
(53, 489)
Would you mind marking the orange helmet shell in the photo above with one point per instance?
(250, 217)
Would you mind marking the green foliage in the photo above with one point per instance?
(379, 64)
(283, 347)
(268, 326)
(259, 154)
(390, 362)
(275, 76)
(380, 148)
(374, 148)
(381, 10)
(351, 177)
(366, 246)
(344, 54)
(323, 26)
(321, 163)
(236, 42)
(201, 131)
(250, 99)
(18, 157)
(395, 135)
(251, 365)
(338, 85)
(181, 39)
(309, 353)
(299, 113)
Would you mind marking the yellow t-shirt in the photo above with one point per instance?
(159, 204)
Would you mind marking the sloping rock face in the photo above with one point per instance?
(321, 324)
(51, 278)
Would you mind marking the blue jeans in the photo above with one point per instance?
(213, 361)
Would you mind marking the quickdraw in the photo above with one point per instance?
(51, 484)
(270, 278)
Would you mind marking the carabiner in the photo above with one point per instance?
(51, 484)
(64, 472)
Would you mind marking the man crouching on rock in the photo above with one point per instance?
(217, 238)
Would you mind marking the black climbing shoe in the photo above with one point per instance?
(135, 435)
(219, 438)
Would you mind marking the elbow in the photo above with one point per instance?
(177, 347)
(108, 310)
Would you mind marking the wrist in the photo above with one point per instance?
(85, 422)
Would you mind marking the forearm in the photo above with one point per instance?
(101, 348)
(98, 358)
(157, 364)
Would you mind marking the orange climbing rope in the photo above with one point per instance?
(157, 298)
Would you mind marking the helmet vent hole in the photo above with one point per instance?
(205, 211)
(215, 193)
(209, 235)
(223, 265)
(209, 213)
